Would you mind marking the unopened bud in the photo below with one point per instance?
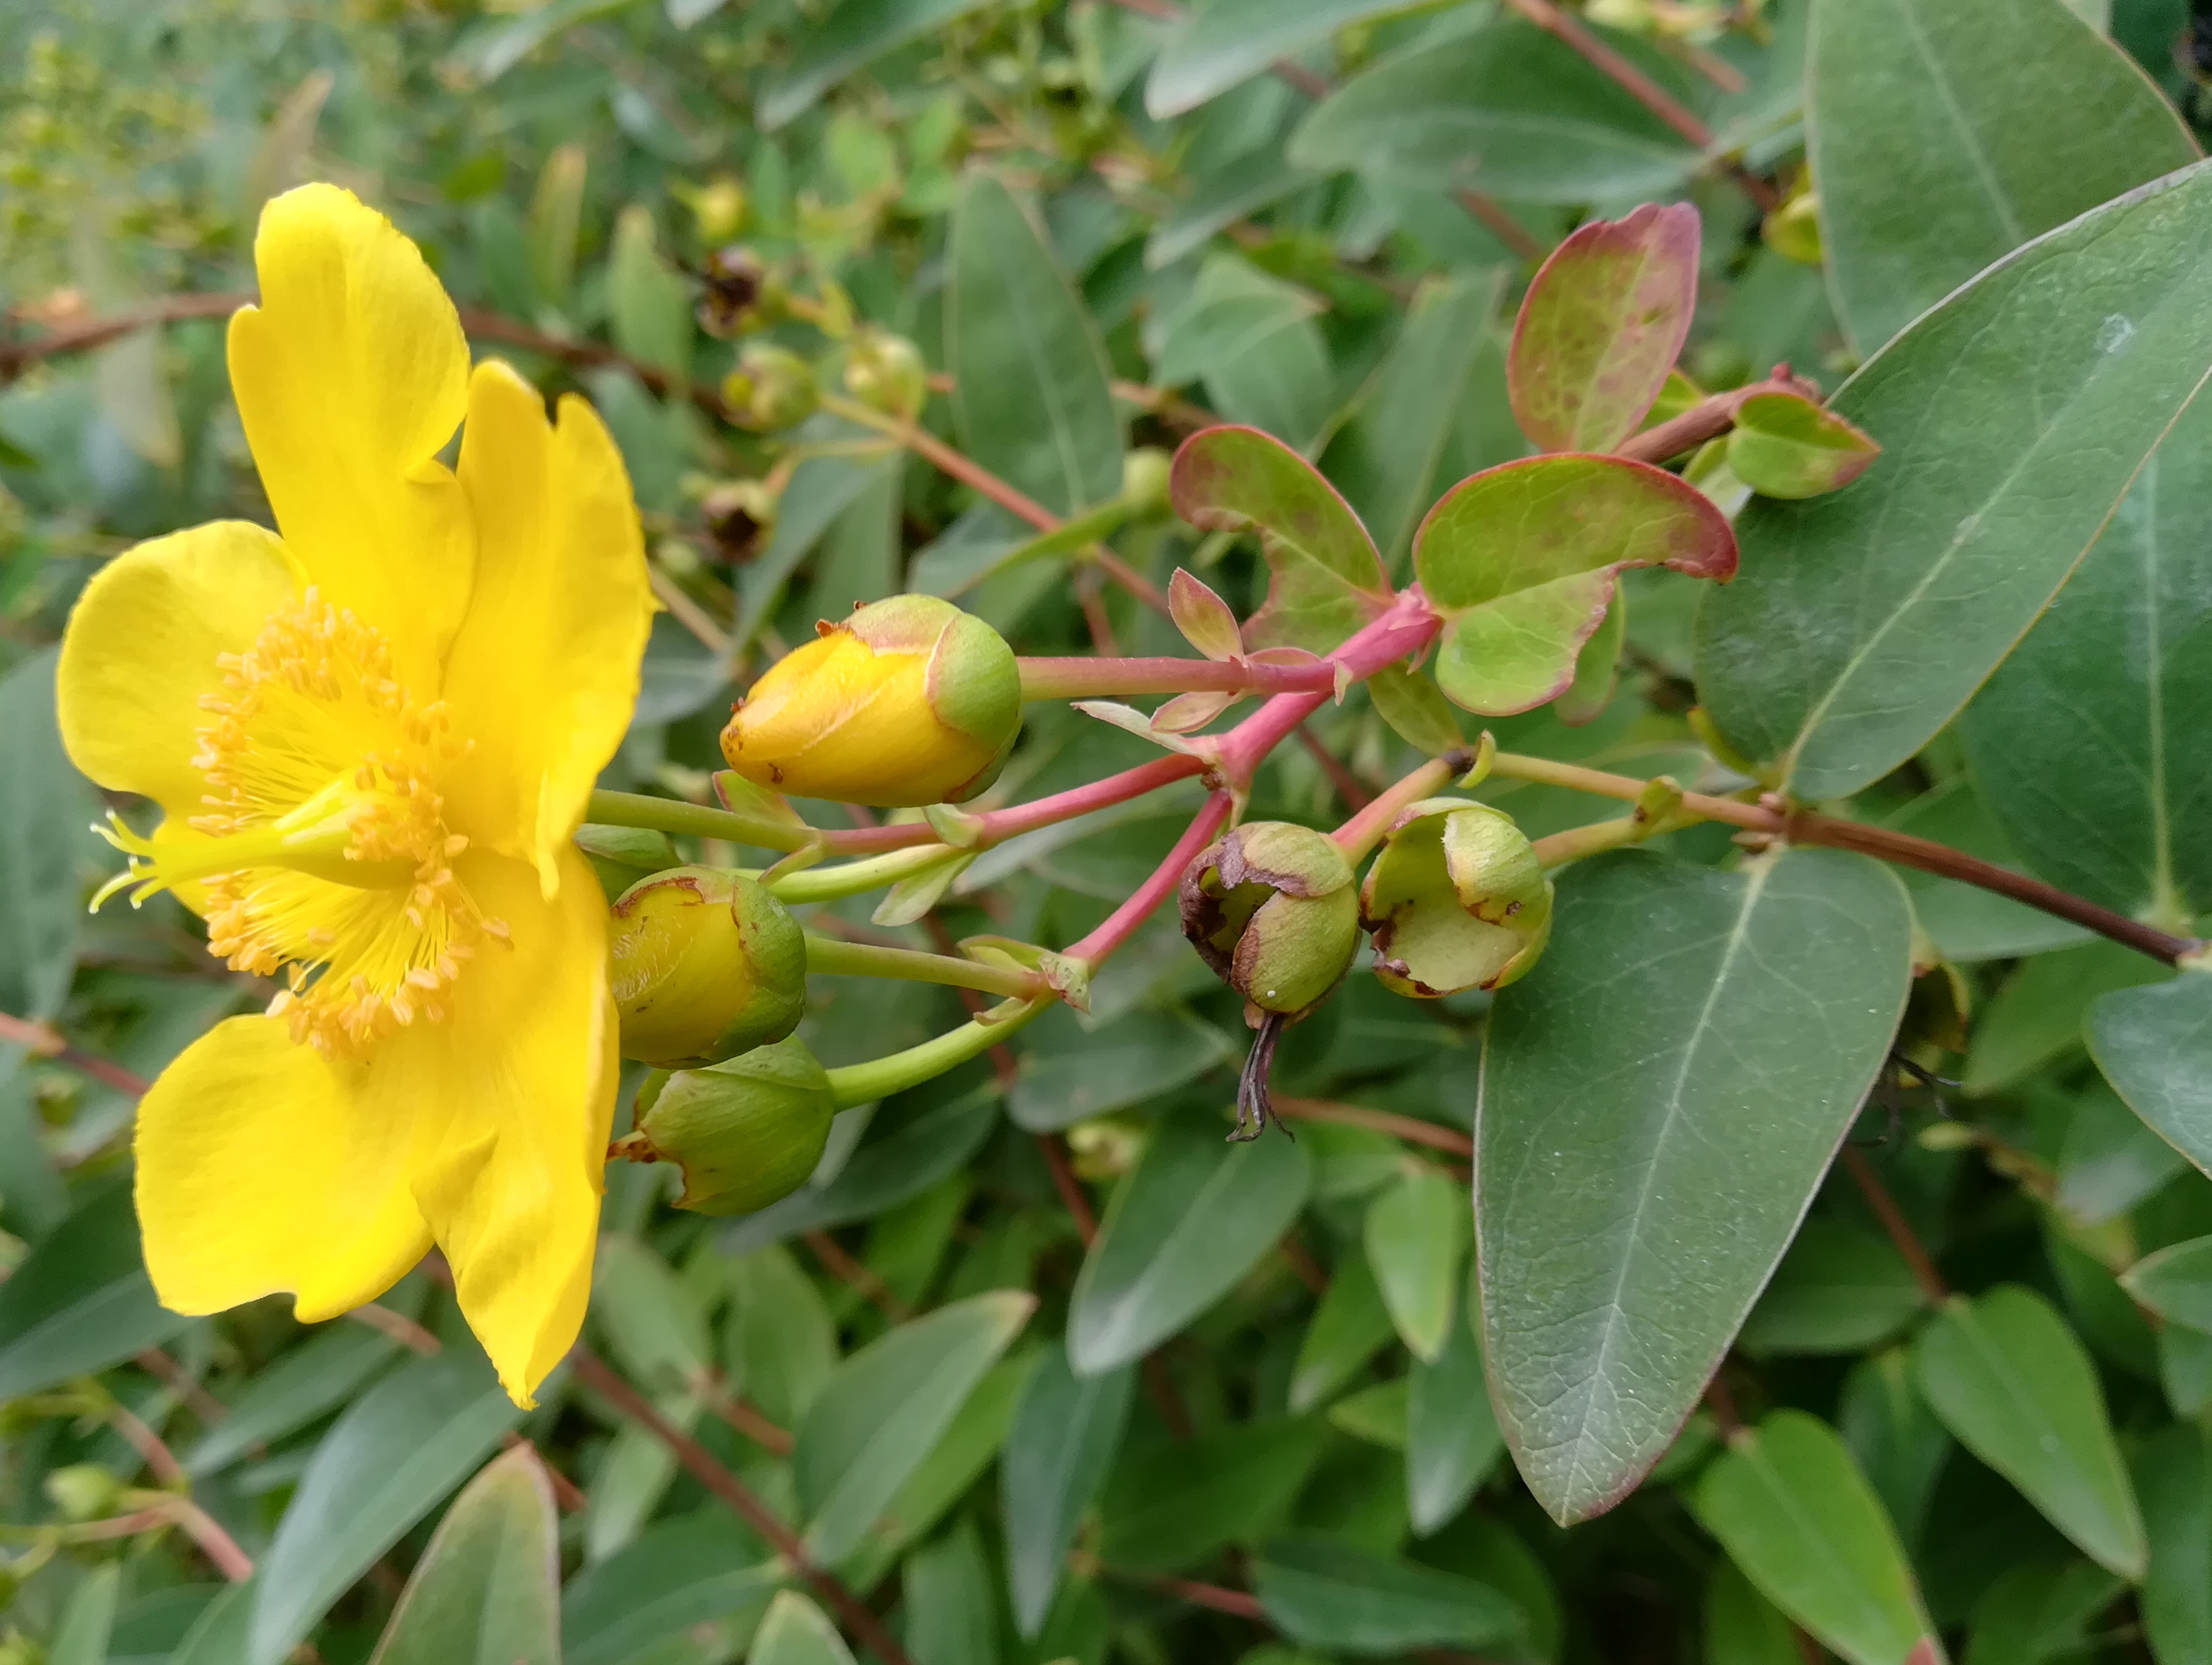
(83, 1492)
(909, 701)
(1271, 908)
(736, 285)
(719, 209)
(1792, 230)
(885, 372)
(1144, 478)
(1456, 900)
(744, 1132)
(772, 388)
(704, 963)
(741, 517)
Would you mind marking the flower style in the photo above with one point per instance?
(371, 740)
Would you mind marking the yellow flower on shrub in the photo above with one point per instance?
(371, 739)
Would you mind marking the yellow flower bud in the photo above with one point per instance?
(909, 701)
(83, 1492)
(719, 207)
(744, 1132)
(704, 963)
(1271, 908)
(1456, 900)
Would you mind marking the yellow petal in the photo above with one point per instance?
(262, 1166)
(142, 647)
(545, 672)
(350, 376)
(517, 1090)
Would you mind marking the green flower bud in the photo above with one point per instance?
(1271, 908)
(772, 388)
(1146, 474)
(885, 372)
(744, 1132)
(1456, 900)
(83, 1492)
(704, 963)
(719, 207)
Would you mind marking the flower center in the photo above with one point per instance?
(324, 851)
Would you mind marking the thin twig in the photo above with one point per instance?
(1349, 786)
(746, 1417)
(202, 1527)
(1502, 226)
(701, 1463)
(43, 1040)
(179, 1380)
(1069, 1186)
(398, 1326)
(847, 1270)
(1412, 1129)
(1909, 1246)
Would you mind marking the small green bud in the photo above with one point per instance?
(885, 372)
(719, 207)
(1456, 900)
(1271, 908)
(1144, 479)
(704, 963)
(83, 1492)
(773, 388)
(744, 1132)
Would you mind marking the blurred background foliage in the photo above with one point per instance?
(1282, 1480)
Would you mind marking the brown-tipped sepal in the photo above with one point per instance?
(1271, 908)
(744, 1132)
(1455, 901)
(909, 702)
(703, 964)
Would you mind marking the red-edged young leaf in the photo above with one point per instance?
(1521, 561)
(1327, 578)
(1785, 445)
(1204, 617)
(1186, 713)
(1600, 327)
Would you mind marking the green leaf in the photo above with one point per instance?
(1840, 1289)
(951, 1612)
(1416, 1236)
(1416, 709)
(849, 39)
(2017, 1390)
(2111, 1160)
(1177, 1501)
(1220, 43)
(797, 1632)
(1507, 110)
(81, 1301)
(1071, 1070)
(2154, 1046)
(1935, 156)
(1522, 560)
(688, 1570)
(2037, 1014)
(1251, 338)
(1030, 400)
(46, 809)
(1376, 1414)
(652, 1320)
(488, 1589)
(384, 1465)
(884, 1409)
(1350, 1325)
(1783, 444)
(1794, 1512)
(1327, 581)
(1322, 1592)
(2038, 1614)
(1185, 1224)
(2074, 742)
(1063, 1441)
(1452, 1437)
(779, 1342)
(88, 1621)
(1600, 327)
(1403, 432)
(1659, 1101)
(2014, 417)
(1224, 195)
(218, 1635)
(648, 303)
(1742, 1627)
(307, 1382)
(2175, 1283)
(2174, 1471)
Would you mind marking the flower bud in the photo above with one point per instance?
(1271, 908)
(719, 207)
(735, 284)
(704, 963)
(909, 701)
(772, 388)
(1145, 474)
(744, 1132)
(885, 372)
(1456, 900)
(83, 1492)
(741, 517)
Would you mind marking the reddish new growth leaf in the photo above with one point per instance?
(1601, 326)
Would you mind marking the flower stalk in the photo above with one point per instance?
(880, 1077)
(832, 956)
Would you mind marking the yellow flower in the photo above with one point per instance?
(909, 701)
(371, 740)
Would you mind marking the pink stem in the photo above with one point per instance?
(1086, 676)
(1124, 919)
(1404, 628)
(996, 826)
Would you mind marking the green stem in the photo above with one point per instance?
(1364, 830)
(880, 1078)
(851, 878)
(834, 958)
(636, 809)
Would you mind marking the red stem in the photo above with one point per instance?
(1403, 628)
(1124, 919)
(1087, 677)
(996, 826)
(1708, 419)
